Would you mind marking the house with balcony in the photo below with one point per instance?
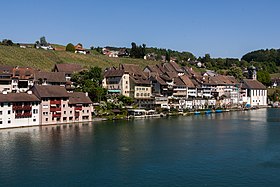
(19, 109)
(59, 106)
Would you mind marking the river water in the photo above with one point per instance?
(228, 149)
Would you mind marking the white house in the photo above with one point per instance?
(19, 109)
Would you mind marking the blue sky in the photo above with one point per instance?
(221, 28)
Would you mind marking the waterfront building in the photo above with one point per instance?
(19, 109)
(59, 106)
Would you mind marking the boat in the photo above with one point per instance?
(208, 112)
(196, 113)
(218, 111)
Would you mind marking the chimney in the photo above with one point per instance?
(86, 94)
(29, 92)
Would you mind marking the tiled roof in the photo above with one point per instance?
(79, 98)
(176, 67)
(18, 97)
(23, 73)
(6, 69)
(55, 77)
(68, 68)
(187, 81)
(253, 84)
(113, 73)
(46, 91)
(178, 82)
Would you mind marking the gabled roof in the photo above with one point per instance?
(187, 81)
(68, 68)
(55, 77)
(176, 66)
(7, 70)
(23, 73)
(18, 97)
(114, 73)
(131, 69)
(49, 91)
(178, 82)
(79, 98)
(253, 84)
(159, 80)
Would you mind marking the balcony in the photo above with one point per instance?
(78, 108)
(55, 102)
(20, 107)
(23, 115)
(56, 115)
(55, 109)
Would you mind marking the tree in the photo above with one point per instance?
(90, 81)
(264, 77)
(7, 42)
(236, 72)
(167, 56)
(70, 47)
(43, 41)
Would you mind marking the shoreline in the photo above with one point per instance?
(161, 115)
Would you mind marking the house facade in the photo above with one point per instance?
(19, 109)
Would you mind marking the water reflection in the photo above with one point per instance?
(218, 147)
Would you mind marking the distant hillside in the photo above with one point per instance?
(45, 59)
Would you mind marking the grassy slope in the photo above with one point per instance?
(45, 60)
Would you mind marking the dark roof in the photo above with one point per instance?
(113, 73)
(46, 91)
(179, 82)
(58, 77)
(132, 69)
(187, 81)
(79, 98)
(176, 67)
(253, 84)
(18, 97)
(23, 73)
(6, 69)
(68, 68)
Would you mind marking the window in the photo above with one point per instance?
(0, 112)
(34, 120)
(47, 119)
(9, 112)
(126, 82)
(87, 111)
(64, 118)
(71, 112)
(64, 112)
(35, 111)
(9, 121)
(63, 105)
(1, 122)
(9, 104)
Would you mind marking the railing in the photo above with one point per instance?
(23, 115)
(56, 115)
(54, 109)
(20, 107)
(78, 107)
(55, 102)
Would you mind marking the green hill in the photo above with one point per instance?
(45, 59)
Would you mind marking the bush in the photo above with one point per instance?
(70, 47)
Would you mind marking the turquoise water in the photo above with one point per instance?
(229, 149)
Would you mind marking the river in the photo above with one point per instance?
(227, 149)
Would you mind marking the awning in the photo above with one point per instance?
(114, 91)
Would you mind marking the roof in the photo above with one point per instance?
(79, 98)
(132, 69)
(23, 73)
(176, 66)
(114, 73)
(253, 84)
(187, 81)
(58, 77)
(68, 68)
(46, 91)
(18, 97)
(6, 69)
(179, 82)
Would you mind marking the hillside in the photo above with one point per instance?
(45, 60)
